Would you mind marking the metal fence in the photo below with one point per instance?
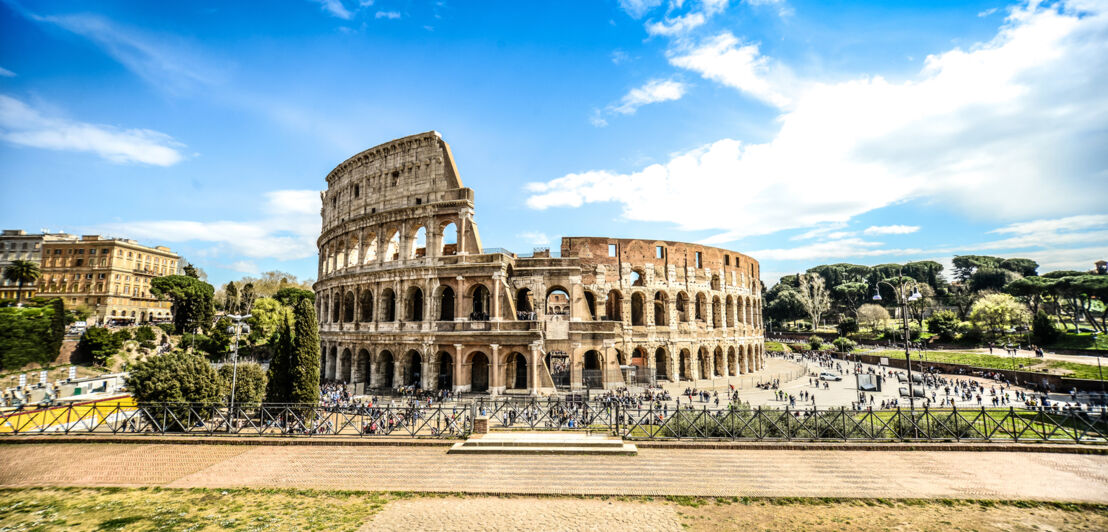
(452, 420)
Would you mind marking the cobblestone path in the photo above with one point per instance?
(707, 472)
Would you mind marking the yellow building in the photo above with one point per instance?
(110, 275)
(16, 244)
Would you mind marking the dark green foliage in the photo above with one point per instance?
(30, 334)
(98, 344)
(1024, 267)
(925, 271)
(250, 385)
(847, 326)
(849, 296)
(192, 300)
(175, 377)
(966, 265)
(844, 345)
(290, 296)
(20, 272)
(246, 299)
(1043, 331)
(124, 335)
(219, 341)
(944, 324)
(304, 362)
(1058, 274)
(991, 279)
(815, 342)
(231, 299)
(145, 334)
(783, 304)
(278, 385)
(166, 327)
(191, 271)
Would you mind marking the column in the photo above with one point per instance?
(533, 373)
(496, 296)
(458, 369)
(496, 380)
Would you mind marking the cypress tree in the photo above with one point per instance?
(304, 370)
(231, 301)
(57, 327)
(278, 383)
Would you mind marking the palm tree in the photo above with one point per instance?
(22, 271)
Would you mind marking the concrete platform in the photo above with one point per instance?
(543, 443)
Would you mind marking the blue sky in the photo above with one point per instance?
(798, 132)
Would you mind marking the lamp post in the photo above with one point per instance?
(237, 327)
(902, 299)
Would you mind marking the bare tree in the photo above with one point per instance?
(814, 296)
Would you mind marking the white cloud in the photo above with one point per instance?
(638, 8)
(244, 266)
(335, 8)
(677, 25)
(26, 126)
(1005, 130)
(534, 238)
(724, 59)
(987, 12)
(1069, 223)
(654, 91)
(619, 56)
(847, 247)
(819, 231)
(6, 73)
(391, 15)
(890, 229)
(289, 232)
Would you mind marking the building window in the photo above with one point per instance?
(357, 191)
(699, 260)
(727, 260)
(659, 252)
(611, 250)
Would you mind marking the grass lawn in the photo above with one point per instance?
(1081, 341)
(775, 346)
(983, 360)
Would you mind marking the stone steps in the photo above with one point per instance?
(543, 443)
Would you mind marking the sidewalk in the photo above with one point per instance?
(653, 472)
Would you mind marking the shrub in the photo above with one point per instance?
(98, 344)
(847, 326)
(145, 334)
(969, 333)
(944, 324)
(176, 377)
(249, 385)
(31, 334)
(1043, 331)
(124, 335)
(166, 327)
(815, 342)
(844, 345)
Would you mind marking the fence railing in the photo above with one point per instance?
(452, 420)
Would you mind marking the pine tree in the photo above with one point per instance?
(278, 383)
(231, 301)
(246, 300)
(304, 370)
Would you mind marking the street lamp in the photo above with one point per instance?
(902, 299)
(237, 327)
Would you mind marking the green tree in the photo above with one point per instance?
(966, 265)
(192, 300)
(850, 295)
(57, 326)
(175, 377)
(995, 313)
(1031, 290)
(192, 271)
(219, 341)
(250, 384)
(844, 345)
(944, 324)
(279, 384)
(98, 344)
(291, 295)
(146, 336)
(847, 326)
(265, 319)
(784, 305)
(30, 334)
(1043, 331)
(304, 362)
(815, 342)
(246, 300)
(231, 301)
(814, 297)
(872, 315)
(21, 272)
(991, 279)
(1023, 267)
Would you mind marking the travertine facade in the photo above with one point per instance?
(407, 297)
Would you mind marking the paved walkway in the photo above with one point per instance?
(707, 472)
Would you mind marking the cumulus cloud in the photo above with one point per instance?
(21, 124)
(288, 232)
(335, 8)
(890, 229)
(654, 91)
(676, 25)
(1006, 129)
(638, 8)
(534, 238)
(391, 15)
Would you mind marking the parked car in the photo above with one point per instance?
(827, 376)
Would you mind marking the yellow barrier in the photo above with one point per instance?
(58, 418)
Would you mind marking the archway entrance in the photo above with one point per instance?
(518, 371)
(446, 304)
(683, 365)
(387, 367)
(413, 369)
(446, 371)
(479, 373)
(592, 376)
(661, 368)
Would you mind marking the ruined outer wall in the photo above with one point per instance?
(736, 268)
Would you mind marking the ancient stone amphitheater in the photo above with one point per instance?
(407, 295)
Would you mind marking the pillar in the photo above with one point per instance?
(496, 379)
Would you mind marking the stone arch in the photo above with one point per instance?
(481, 302)
(681, 305)
(557, 302)
(388, 305)
(346, 365)
(412, 370)
(661, 363)
(638, 278)
(336, 309)
(684, 365)
(446, 303)
(418, 242)
(332, 363)
(701, 307)
(362, 366)
(613, 308)
(478, 372)
(719, 364)
(637, 309)
(348, 307)
(732, 362)
(660, 313)
(445, 365)
(449, 232)
(593, 369)
(370, 253)
(717, 313)
(386, 369)
(340, 256)
(730, 314)
(715, 281)
(366, 304)
(525, 300)
(703, 363)
(639, 357)
(590, 304)
(354, 254)
(516, 371)
(413, 304)
(392, 245)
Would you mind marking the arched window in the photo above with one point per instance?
(682, 307)
(419, 244)
(367, 306)
(370, 245)
(525, 308)
(446, 304)
(717, 312)
(715, 281)
(348, 307)
(557, 302)
(590, 302)
(392, 249)
(481, 301)
(660, 308)
(637, 304)
(637, 278)
(388, 305)
(701, 307)
(336, 309)
(449, 234)
(661, 364)
(414, 304)
(613, 309)
(730, 317)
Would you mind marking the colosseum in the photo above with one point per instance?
(407, 295)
